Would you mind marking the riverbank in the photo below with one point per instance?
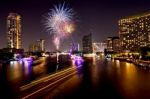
(137, 62)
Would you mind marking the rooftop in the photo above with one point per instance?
(137, 16)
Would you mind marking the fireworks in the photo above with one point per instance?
(57, 42)
(59, 22)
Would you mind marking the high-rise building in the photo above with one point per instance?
(113, 44)
(14, 31)
(87, 44)
(33, 48)
(109, 44)
(116, 44)
(41, 45)
(134, 32)
(38, 46)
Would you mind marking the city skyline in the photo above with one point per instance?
(102, 17)
(75, 49)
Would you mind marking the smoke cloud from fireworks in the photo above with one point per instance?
(59, 22)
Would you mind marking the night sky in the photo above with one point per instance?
(97, 16)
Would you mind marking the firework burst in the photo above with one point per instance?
(59, 22)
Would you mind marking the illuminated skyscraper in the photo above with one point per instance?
(113, 44)
(14, 31)
(41, 45)
(87, 44)
(134, 32)
(109, 44)
(38, 46)
(116, 44)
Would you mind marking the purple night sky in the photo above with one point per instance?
(97, 16)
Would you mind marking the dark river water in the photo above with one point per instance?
(101, 78)
(17, 73)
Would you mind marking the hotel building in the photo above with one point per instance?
(134, 32)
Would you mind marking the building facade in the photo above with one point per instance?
(41, 45)
(33, 48)
(87, 44)
(134, 32)
(38, 46)
(110, 44)
(113, 44)
(116, 44)
(99, 47)
(14, 31)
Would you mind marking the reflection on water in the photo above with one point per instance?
(94, 73)
(130, 76)
(14, 70)
(132, 81)
(17, 73)
(27, 66)
(117, 63)
(17, 70)
(115, 78)
(26, 70)
(108, 77)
